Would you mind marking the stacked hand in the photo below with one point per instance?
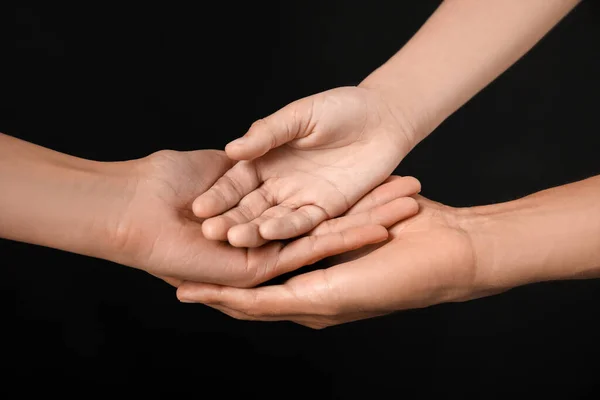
(315, 158)
(301, 167)
(308, 162)
(428, 259)
(213, 224)
(159, 233)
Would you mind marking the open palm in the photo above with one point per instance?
(308, 162)
(428, 259)
(158, 232)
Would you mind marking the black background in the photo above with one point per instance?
(114, 83)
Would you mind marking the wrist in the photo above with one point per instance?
(550, 235)
(59, 201)
(101, 197)
(505, 253)
(416, 122)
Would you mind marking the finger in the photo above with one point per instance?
(227, 191)
(242, 316)
(267, 301)
(385, 215)
(314, 322)
(310, 321)
(248, 235)
(310, 249)
(228, 311)
(312, 295)
(294, 224)
(334, 293)
(393, 188)
(249, 208)
(291, 122)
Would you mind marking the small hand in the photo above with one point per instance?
(428, 259)
(308, 162)
(158, 233)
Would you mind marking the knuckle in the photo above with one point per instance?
(301, 219)
(233, 185)
(257, 124)
(264, 126)
(245, 212)
(218, 191)
(326, 228)
(266, 196)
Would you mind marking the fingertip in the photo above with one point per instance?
(243, 148)
(183, 294)
(245, 235)
(413, 183)
(270, 229)
(379, 232)
(215, 229)
(236, 150)
(204, 206)
(196, 292)
(197, 207)
(406, 206)
(234, 236)
(412, 206)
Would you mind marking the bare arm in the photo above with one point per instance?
(463, 47)
(550, 235)
(442, 254)
(138, 213)
(56, 200)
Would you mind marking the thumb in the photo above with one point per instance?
(293, 121)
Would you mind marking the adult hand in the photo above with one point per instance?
(159, 233)
(428, 259)
(138, 213)
(308, 162)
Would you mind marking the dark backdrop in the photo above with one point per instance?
(113, 83)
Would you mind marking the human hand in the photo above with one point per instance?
(428, 259)
(306, 163)
(158, 232)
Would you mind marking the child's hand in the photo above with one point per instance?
(306, 163)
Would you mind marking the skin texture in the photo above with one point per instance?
(439, 255)
(138, 213)
(314, 158)
(306, 164)
(321, 165)
(428, 259)
(442, 254)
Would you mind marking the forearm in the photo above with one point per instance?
(56, 200)
(463, 46)
(551, 235)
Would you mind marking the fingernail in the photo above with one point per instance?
(186, 301)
